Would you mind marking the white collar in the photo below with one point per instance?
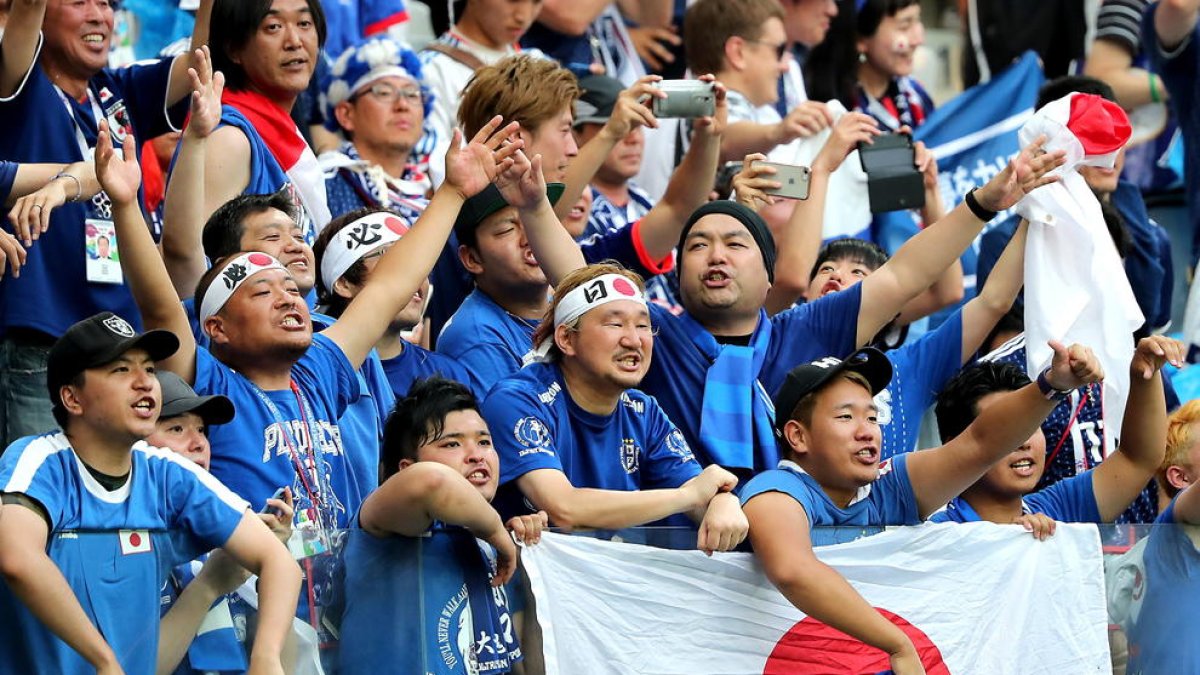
(862, 493)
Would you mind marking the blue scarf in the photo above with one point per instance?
(737, 414)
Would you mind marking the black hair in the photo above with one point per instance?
(1013, 321)
(356, 274)
(1073, 84)
(956, 403)
(831, 69)
(233, 24)
(856, 250)
(420, 417)
(222, 234)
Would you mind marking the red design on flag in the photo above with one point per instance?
(1100, 125)
(812, 647)
(396, 225)
(134, 541)
(260, 259)
(623, 287)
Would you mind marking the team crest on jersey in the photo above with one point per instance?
(135, 541)
(678, 446)
(118, 121)
(119, 326)
(629, 455)
(531, 432)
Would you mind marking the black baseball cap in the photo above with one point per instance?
(487, 202)
(597, 99)
(809, 377)
(98, 340)
(179, 398)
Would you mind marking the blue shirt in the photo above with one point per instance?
(825, 327)
(115, 548)
(1172, 566)
(39, 129)
(423, 606)
(889, 500)
(1069, 501)
(606, 216)
(536, 425)
(349, 21)
(257, 452)
(920, 368)
(486, 339)
(416, 363)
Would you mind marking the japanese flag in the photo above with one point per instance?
(135, 541)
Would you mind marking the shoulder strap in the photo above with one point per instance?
(461, 55)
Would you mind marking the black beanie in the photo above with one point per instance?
(749, 219)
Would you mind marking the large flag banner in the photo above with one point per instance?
(974, 598)
(974, 135)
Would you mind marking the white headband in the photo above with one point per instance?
(233, 275)
(356, 240)
(583, 299)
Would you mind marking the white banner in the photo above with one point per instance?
(975, 598)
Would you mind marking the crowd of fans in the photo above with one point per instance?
(298, 304)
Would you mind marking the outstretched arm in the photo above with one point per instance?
(39, 585)
(745, 138)
(523, 186)
(948, 288)
(629, 113)
(690, 183)
(140, 261)
(926, 256)
(780, 535)
(407, 264)
(20, 44)
(979, 316)
(1119, 479)
(184, 213)
(411, 500)
(38, 189)
(181, 85)
(941, 474)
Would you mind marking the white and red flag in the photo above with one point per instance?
(974, 598)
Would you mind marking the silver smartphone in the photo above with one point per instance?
(794, 180)
(686, 99)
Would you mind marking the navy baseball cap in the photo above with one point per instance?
(810, 377)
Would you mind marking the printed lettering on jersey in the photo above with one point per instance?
(678, 446)
(636, 406)
(454, 628)
(275, 443)
(119, 326)
(630, 453)
(883, 408)
(497, 651)
(547, 397)
(532, 433)
(134, 541)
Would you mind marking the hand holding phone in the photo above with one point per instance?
(793, 180)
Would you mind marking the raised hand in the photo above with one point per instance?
(752, 181)
(1024, 174)
(119, 176)
(278, 516)
(1153, 353)
(1039, 525)
(651, 44)
(528, 529)
(470, 169)
(1073, 367)
(632, 109)
(522, 184)
(207, 88)
(714, 125)
(806, 119)
(853, 128)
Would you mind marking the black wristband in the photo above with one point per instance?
(977, 208)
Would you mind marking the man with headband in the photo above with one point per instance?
(348, 252)
(719, 361)
(290, 386)
(576, 439)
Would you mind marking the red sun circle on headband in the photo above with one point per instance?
(623, 287)
(811, 647)
(260, 259)
(396, 225)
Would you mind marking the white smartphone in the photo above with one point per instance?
(794, 180)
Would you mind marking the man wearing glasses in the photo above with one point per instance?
(376, 97)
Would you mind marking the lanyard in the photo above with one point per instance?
(98, 114)
(315, 455)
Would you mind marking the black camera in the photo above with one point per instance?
(893, 182)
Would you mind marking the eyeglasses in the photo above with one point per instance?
(780, 49)
(386, 93)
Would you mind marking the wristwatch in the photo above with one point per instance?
(1048, 389)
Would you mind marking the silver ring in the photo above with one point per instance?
(37, 206)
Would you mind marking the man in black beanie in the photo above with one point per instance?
(716, 365)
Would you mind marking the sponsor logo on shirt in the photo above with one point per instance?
(630, 452)
(636, 406)
(134, 541)
(550, 394)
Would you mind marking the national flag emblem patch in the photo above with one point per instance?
(135, 541)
